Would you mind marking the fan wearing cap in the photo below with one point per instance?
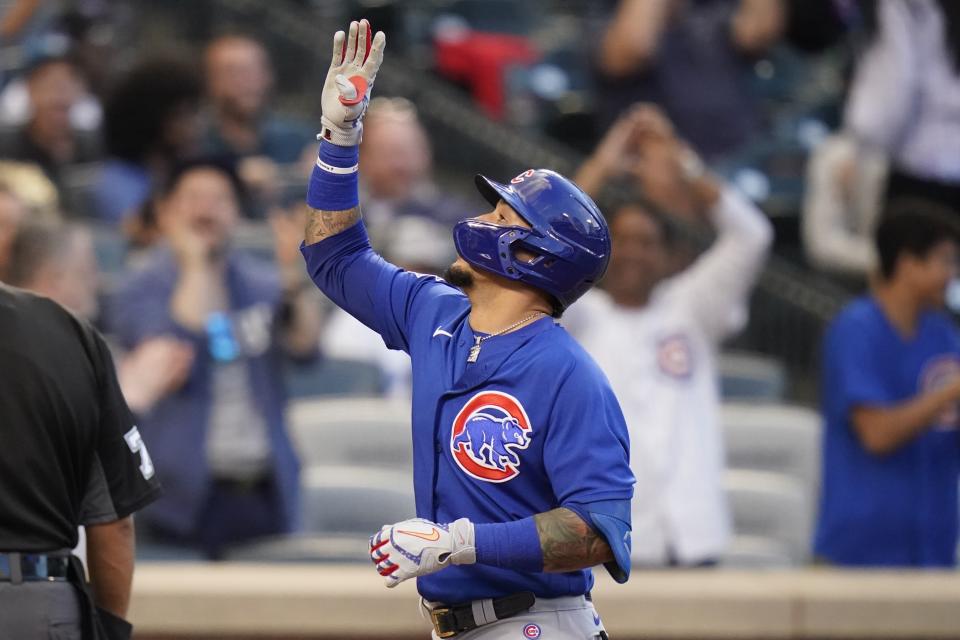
(521, 455)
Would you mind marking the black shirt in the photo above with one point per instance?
(70, 453)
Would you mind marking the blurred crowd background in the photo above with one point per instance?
(136, 136)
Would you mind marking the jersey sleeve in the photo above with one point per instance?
(382, 296)
(122, 478)
(587, 449)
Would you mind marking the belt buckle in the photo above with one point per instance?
(442, 630)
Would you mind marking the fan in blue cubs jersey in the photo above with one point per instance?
(521, 466)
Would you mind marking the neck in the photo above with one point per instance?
(900, 305)
(495, 308)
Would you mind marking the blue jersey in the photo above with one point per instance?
(531, 426)
(898, 509)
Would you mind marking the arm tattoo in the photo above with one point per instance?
(569, 543)
(323, 224)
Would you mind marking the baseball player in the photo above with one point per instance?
(521, 465)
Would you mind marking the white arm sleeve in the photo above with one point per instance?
(885, 82)
(716, 287)
(834, 238)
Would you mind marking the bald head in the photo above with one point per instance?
(238, 76)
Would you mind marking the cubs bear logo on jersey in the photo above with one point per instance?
(488, 432)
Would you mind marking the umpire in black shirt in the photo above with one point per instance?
(70, 455)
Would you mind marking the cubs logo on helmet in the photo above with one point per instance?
(487, 435)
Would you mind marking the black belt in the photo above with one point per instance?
(33, 567)
(449, 621)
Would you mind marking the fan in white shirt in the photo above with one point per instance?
(656, 337)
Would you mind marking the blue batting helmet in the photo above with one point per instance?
(568, 235)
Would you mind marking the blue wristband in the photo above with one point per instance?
(509, 545)
(334, 181)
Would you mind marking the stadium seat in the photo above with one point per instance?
(772, 508)
(353, 431)
(754, 552)
(775, 438)
(750, 376)
(353, 500)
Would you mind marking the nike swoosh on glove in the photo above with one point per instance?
(346, 91)
(418, 547)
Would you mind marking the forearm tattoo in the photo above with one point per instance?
(323, 224)
(569, 543)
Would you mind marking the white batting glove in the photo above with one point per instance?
(418, 547)
(346, 91)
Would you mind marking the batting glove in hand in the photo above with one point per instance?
(418, 547)
(346, 91)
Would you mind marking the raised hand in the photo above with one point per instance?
(346, 91)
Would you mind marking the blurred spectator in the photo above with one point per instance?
(905, 96)
(691, 57)
(23, 25)
(154, 369)
(656, 338)
(56, 260)
(29, 184)
(25, 196)
(415, 244)
(842, 203)
(12, 214)
(16, 17)
(48, 139)
(396, 171)
(219, 440)
(151, 119)
(890, 393)
(239, 80)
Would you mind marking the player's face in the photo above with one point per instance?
(638, 258)
(931, 274)
(461, 273)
